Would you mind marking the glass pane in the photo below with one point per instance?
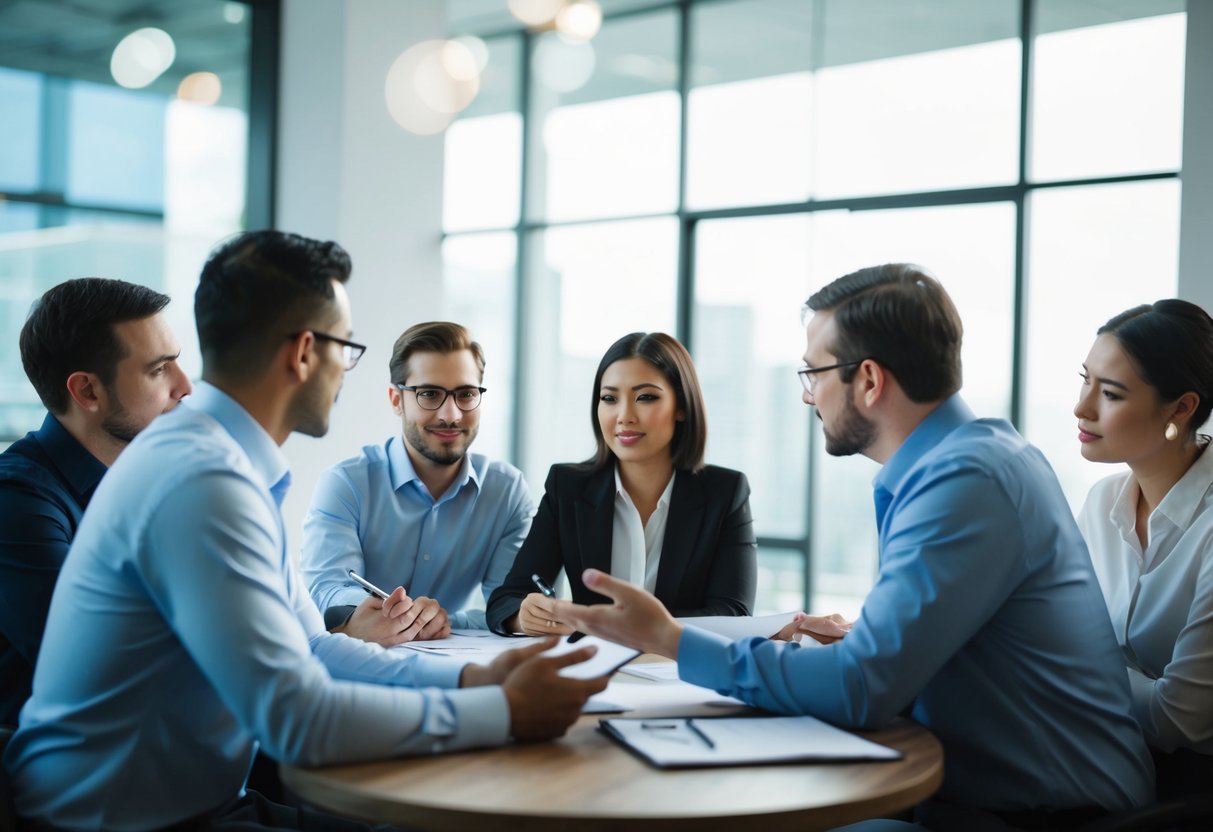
(491, 16)
(916, 96)
(115, 146)
(750, 283)
(19, 139)
(780, 581)
(748, 112)
(81, 243)
(606, 122)
(478, 292)
(17, 216)
(482, 173)
(205, 168)
(587, 286)
(845, 548)
(106, 150)
(971, 249)
(1108, 88)
(1095, 251)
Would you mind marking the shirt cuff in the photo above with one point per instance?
(468, 620)
(703, 659)
(483, 717)
(335, 616)
(434, 671)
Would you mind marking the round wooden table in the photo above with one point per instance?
(585, 781)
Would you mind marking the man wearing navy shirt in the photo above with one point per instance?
(102, 358)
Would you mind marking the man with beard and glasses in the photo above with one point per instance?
(985, 623)
(181, 635)
(418, 512)
(101, 356)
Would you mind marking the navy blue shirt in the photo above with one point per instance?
(46, 480)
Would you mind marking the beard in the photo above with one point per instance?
(310, 409)
(414, 434)
(854, 433)
(120, 426)
(119, 423)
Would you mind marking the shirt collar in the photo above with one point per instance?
(951, 413)
(263, 452)
(402, 471)
(79, 467)
(1185, 497)
(663, 500)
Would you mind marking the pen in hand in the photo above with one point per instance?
(370, 588)
(546, 588)
(543, 586)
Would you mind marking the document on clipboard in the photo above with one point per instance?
(738, 741)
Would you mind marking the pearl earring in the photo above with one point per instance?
(1171, 433)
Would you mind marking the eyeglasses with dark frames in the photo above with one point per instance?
(431, 397)
(351, 351)
(808, 375)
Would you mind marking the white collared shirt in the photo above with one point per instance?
(1161, 599)
(635, 546)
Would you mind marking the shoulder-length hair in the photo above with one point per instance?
(674, 362)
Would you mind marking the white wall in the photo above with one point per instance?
(347, 172)
(1196, 201)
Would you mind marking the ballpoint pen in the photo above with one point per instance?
(370, 588)
(546, 588)
(697, 731)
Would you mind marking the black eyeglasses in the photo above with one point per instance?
(430, 397)
(808, 375)
(350, 351)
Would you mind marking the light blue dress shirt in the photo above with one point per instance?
(985, 621)
(372, 514)
(180, 633)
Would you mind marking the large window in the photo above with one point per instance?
(132, 182)
(702, 166)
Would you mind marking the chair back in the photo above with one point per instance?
(8, 816)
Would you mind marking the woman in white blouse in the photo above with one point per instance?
(1147, 387)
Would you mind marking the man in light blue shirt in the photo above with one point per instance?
(418, 512)
(180, 635)
(985, 623)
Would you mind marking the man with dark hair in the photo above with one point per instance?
(985, 624)
(418, 511)
(181, 634)
(102, 358)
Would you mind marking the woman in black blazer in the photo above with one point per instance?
(645, 508)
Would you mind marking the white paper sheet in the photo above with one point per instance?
(724, 741)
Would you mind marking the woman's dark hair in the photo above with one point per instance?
(674, 362)
(1171, 346)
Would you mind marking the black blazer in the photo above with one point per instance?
(708, 557)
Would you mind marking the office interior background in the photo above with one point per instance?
(697, 167)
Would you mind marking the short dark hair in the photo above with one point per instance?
(674, 362)
(256, 289)
(1170, 343)
(432, 336)
(70, 329)
(899, 316)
